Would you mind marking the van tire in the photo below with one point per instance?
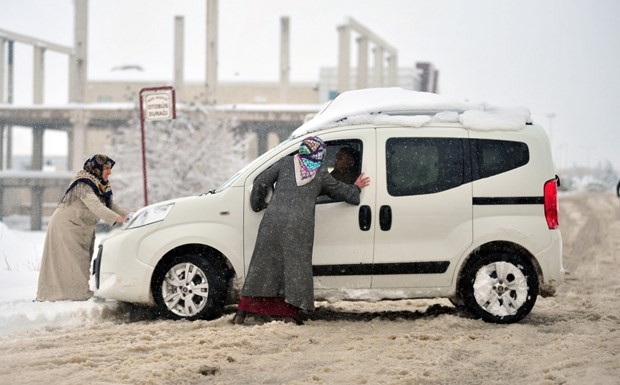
(499, 287)
(202, 296)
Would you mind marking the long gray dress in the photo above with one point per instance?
(281, 264)
(68, 248)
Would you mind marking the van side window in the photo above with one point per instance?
(418, 166)
(492, 157)
(344, 162)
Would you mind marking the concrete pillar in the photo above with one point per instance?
(37, 98)
(362, 62)
(77, 140)
(78, 66)
(392, 70)
(38, 69)
(36, 207)
(1, 147)
(428, 76)
(36, 192)
(284, 58)
(344, 57)
(9, 99)
(378, 73)
(2, 59)
(212, 52)
(77, 78)
(37, 148)
(435, 81)
(179, 55)
(70, 146)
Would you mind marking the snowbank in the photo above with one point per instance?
(21, 252)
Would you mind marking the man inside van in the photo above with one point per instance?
(346, 165)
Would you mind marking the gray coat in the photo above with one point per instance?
(281, 264)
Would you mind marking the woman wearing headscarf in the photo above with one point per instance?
(279, 281)
(70, 237)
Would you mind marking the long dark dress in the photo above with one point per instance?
(281, 264)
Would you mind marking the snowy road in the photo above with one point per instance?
(573, 338)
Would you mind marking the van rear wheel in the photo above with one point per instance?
(499, 287)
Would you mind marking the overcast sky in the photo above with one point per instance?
(558, 57)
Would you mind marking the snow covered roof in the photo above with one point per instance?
(414, 109)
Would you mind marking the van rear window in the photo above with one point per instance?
(492, 157)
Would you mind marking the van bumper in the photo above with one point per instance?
(119, 275)
(550, 261)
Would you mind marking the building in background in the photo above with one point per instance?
(422, 77)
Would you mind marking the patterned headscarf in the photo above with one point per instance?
(308, 159)
(92, 175)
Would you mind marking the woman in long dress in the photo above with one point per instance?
(279, 281)
(70, 238)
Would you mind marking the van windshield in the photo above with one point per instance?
(250, 165)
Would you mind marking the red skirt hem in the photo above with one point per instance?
(271, 306)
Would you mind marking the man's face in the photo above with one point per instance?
(343, 160)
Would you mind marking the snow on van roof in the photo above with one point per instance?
(413, 109)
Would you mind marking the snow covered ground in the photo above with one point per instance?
(20, 258)
(573, 338)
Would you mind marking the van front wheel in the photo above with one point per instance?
(189, 287)
(499, 287)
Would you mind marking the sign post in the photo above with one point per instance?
(156, 103)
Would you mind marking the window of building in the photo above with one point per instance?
(104, 99)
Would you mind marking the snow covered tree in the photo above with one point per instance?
(186, 156)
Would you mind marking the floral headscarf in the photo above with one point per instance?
(308, 159)
(92, 175)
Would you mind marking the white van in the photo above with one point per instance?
(462, 205)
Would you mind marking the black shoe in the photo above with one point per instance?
(290, 320)
(239, 317)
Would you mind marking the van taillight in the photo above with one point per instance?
(551, 204)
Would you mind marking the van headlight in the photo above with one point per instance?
(150, 215)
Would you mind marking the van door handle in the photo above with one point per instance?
(385, 218)
(365, 217)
